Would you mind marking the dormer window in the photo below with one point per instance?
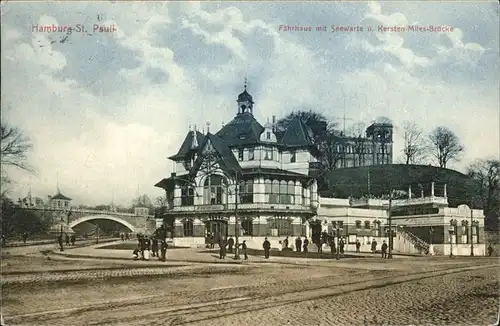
(240, 154)
(293, 157)
(251, 154)
(269, 155)
(268, 135)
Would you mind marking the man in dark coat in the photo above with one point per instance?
(285, 243)
(73, 240)
(60, 241)
(163, 249)
(298, 244)
(341, 246)
(154, 247)
(384, 250)
(267, 247)
(222, 249)
(25, 237)
(331, 241)
(230, 244)
(67, 239)
(305, 245)
(374, 246)
(358, 246)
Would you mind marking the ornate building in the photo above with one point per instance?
(244, 160)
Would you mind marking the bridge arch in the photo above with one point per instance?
(82, 219)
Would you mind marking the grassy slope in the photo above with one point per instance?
(354, 181)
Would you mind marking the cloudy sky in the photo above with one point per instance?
(104, 110)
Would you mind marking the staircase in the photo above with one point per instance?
(418, 244)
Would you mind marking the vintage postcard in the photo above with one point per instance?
(250, 163)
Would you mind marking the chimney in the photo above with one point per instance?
(208, 127)
(274, 123)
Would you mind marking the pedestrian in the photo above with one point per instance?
(384, 250)
(230, 244)
(127, 236)
(122, 236)
(332, 244)
(285, 243)
(67, 239)
(374, 246)
(267, 247)
(154, 247)
(60, 241)
(222, 249)
(163, 249)
(25, 237)
(341, 246)
(358, 246)
(147, 247)
(490, 250)
(305, 245)
(4, 240)
(73, 239)
(298, 244)
(244, 248)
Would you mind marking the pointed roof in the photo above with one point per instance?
(60, 196)
(226, 159)
(243, 129)
(187, 144)
(297, 134)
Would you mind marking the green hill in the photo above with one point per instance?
(354, 182)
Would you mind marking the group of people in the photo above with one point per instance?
(154, 247)
(226, 245)
(69, 240)
(125, 236)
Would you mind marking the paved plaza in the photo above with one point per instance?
(90, 286)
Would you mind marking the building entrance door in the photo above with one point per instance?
(216, 231)
(316, 232)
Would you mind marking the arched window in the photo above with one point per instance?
(247, 227)
(246, 192)
(187, 196)
(213, 189)
(188, 228)
(280, 227)
(465, 232)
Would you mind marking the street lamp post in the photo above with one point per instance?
(389, 213)
(451, 231)
(471, 231)
(236, 219)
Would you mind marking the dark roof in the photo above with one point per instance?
(243, 129)
(245, 97)
(186, 145)
(297, 134)
(60, 196)
(166, 183)
(273, 172)
(226, 157)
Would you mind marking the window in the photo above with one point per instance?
(240, 154)
(188, 228)
(251, 154)
(280, 192)
(358, 225)
(341, 224)
(59, 204)
(280, 227)
(213, 190)
(334, 224)
(367, 225)
(269, 155)
(246, 192)
(304, 196)
(293, 157)
(187, 196)
(247, 227)
(268, 135)
(66, 204)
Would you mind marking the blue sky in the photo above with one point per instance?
(105, 110)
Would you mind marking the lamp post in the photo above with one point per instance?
(471, 230)
(451, 232)
(389, 215)
(236, 219)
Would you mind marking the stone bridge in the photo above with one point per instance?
(68, 219)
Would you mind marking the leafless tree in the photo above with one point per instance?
(445, 146)
(332, 150)
(14, 146)
(487, 175)
(161, 201)
(414, 149)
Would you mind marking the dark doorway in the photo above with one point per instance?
(216, 230)
(316, 232)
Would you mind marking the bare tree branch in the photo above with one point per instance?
(414, 149)
(14, 146)
(358, 131)
(445, 146)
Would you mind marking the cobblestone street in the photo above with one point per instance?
(63, 290)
